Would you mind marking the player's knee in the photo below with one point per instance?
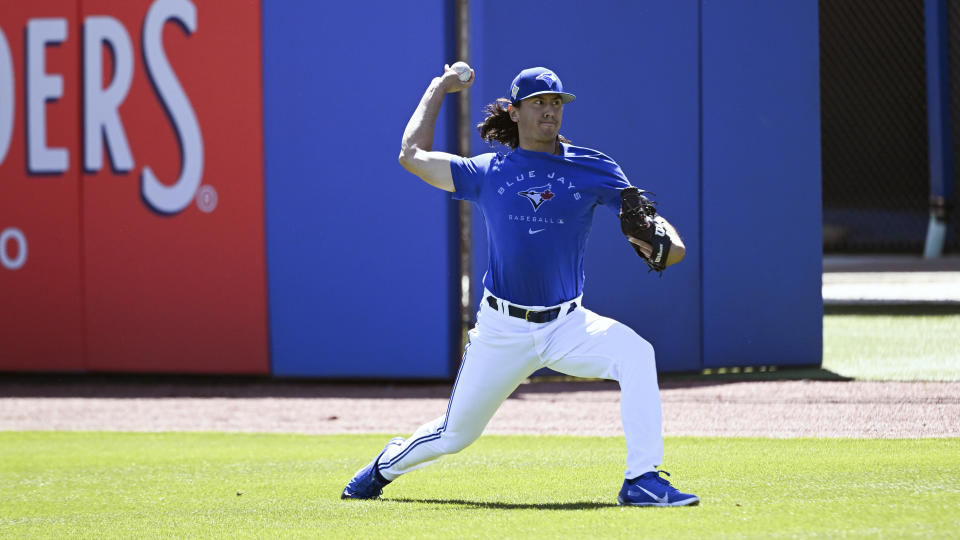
(632, 344)
(637, 354)
(644, 349)
(644, 355)
(455, 442)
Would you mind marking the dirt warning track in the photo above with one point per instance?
(791, 408)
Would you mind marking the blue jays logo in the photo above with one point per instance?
(549, 77)
(537, 195)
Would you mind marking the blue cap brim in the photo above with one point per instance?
(565, 96)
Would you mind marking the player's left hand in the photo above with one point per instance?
(643, 228)
(644, 247)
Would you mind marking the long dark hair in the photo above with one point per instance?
(498, 127)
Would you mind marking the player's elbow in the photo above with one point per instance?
(410, 164)
(410, 159)
(406, 156)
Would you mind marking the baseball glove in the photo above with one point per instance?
(639, 222)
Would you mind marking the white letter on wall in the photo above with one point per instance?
(40, 89)
(101, 118)
(17, 236)
(6, 96)
(162, 198)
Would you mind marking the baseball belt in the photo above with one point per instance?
(530, 315)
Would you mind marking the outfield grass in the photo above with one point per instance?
(906, 345)
(95, 485)
(876, 343)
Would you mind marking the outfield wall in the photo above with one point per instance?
(715, 108)
(189, 189)
(136, 186)
(360, 253)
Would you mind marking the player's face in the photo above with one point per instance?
(538, 118)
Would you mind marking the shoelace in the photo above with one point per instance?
(661, 479)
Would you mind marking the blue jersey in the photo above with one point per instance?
(538, 208)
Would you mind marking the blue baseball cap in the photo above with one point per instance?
(535, 81)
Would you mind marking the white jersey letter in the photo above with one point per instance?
(6, 96)
(101, 118)
(40, 89)
(172, 199)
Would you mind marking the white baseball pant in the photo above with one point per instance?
(504, 350)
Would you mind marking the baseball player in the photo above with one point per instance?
(538, 202)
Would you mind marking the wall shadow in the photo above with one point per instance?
(139, 386)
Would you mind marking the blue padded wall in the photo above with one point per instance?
(360, 254)
(712, 106)
(634, 69)
(762, 240)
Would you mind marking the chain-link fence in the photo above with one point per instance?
(874, 124)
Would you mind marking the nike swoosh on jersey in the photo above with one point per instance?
(531, 231)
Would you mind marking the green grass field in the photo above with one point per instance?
(893, 344)
(197, 485)
(881, 343)
(109, 485)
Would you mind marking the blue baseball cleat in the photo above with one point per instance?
(367, 483)
(651, 489)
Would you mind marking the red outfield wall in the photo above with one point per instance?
(145, 234)
(40, 283)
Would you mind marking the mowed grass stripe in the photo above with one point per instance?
(884, 345)
(215, 485)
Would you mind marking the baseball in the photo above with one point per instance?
(462, 69)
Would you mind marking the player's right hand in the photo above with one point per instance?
(451, 82)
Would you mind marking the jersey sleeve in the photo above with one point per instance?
(468, 175)
(611, 186)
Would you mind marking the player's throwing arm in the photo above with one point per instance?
(416, 147)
